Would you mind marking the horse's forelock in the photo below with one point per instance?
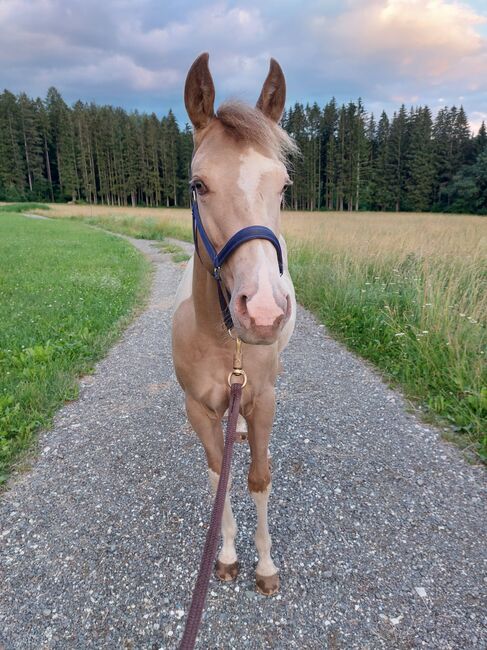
(248, 124)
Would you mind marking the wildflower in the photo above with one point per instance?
(400, 334)
(425, 331)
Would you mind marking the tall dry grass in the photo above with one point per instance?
(407, 291)
(145, 223)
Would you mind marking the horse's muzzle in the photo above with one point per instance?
(259, 319)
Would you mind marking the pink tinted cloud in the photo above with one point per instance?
(429, 40)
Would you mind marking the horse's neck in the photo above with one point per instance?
(205, 300)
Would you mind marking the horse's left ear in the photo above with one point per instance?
(273, 96)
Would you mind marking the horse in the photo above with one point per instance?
(238, 179)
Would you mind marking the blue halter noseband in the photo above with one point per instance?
(218, 259)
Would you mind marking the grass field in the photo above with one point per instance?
(65, 290)
(406, 291)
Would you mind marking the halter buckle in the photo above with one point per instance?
(217, 273)
(238, 371)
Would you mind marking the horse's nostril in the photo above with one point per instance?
(278, 320)
(242, 304)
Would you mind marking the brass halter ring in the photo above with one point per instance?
(237, 372)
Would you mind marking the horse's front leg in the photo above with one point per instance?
(259, 429)
(211, 435)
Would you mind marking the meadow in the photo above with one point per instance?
(66, 291)
(407, 291)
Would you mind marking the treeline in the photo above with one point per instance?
(97, 154)
(409, 162)
(350, 161)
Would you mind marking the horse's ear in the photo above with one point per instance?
(273, 96)
(199, 92)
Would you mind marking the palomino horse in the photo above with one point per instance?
(238, 176)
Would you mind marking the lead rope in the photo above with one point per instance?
(213, 535)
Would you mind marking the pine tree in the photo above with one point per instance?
(12, 165)
(369, 163)
(396, 163)
(340, 157)
(63, 147)
(481, 140)
(360, 156)
(32, 145)
(381, 195)
(185, 152)
(46, 136)
(419, 167)
(329, 131)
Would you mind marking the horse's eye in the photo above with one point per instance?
(200, 187)
(286, 185)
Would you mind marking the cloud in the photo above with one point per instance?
(108, 49)
(429, 41)
(137, 52)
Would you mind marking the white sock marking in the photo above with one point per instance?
(228, 554)
(263, 542)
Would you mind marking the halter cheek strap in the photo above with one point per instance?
(218, 259)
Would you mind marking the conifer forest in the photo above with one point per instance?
(350, 159)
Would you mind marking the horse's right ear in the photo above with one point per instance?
(199, 92)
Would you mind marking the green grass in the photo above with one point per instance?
(408, 320)
(66, 291)
(23, 207)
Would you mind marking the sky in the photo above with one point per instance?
(136, 53)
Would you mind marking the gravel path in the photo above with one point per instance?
(378, 526)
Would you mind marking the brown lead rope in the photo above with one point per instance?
(213, 535)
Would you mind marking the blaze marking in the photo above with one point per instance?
(253, 165)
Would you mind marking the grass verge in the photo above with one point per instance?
(23, 207)
(140, 228)
(419, 322)
(67, 291)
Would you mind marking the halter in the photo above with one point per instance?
(218, 259)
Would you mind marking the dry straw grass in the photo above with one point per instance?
(450, 250)
(361, 234)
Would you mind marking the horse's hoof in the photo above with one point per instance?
(226, 572)
(267, 585)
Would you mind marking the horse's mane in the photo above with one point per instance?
(248, 124)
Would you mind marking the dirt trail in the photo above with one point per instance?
(378, 526)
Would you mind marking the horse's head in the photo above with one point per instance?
(239, 175)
